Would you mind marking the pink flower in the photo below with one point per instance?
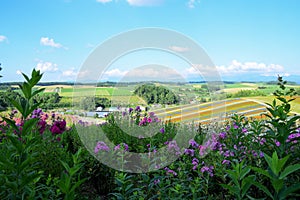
(202, 150)
(225, 162)
(222, 135)
(101, 146)
(18, 121)
(193, 143)
(42, 126)
(123, 146)
(169, 171)
(44, 116)
(58, 127)
(244, 130)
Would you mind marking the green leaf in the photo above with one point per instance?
(66, 166)
(28, 124)
(277, 184)
(232, 189)
(288, 170)
(12, 184)
(16, 104)
(251, 198)
(263, 188)
(262, 172)
(246, 184)
(285, 193)
(29, 178)
(292, 99)
(16, 143)
(128, 187)
(77, 184)
(232, 174)
(62, 186)
(272, 162)
(25, 164)
(5, 163)
(281, 163)
(26, 77)
(244, 172)
(75, 169)
(26, 89)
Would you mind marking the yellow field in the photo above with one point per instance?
(268, 99)
(235, 90)
(213, 110)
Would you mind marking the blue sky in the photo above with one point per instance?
(246, 39)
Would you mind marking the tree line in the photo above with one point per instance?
(47, 101)
(156, 94)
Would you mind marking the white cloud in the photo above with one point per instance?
(3, 38)
(46, 66)
(236, 67)
(192, 3)
(136, 2)
(153, 73)
(89, 45)
(115, 73)
(49, 42)
(275, 75)
(144, 2)
(69, 73)
(191, 71)
(104, 1)
(178, 49)
(19, 72)
(197, 70)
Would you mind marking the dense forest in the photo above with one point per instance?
(156, 94)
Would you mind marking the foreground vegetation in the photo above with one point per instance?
(42, 158)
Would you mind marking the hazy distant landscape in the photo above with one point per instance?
(192, 98)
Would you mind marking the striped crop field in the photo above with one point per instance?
(218, 110)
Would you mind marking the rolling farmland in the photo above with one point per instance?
(206, 112)
(251, 106)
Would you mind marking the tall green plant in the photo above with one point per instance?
(277, 174)
(240, 181)
(70, 179)
(281, 123)
(19, 174)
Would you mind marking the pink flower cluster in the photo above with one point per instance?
(208, 145)
(58, 127)
(208, 169)
(123, 146)
(145, 121)
(101, 146)
(170, 171)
